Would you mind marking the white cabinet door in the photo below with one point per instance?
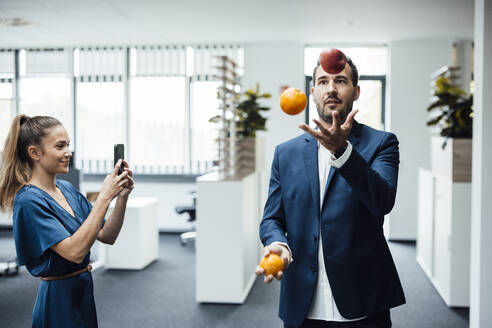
(443, 244)
(5, 219)
(460, 245)
(442, 235)
(425, 227)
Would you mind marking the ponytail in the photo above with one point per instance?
(16, 168)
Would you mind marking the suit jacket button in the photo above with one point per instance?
(313, 268)
(314, 237)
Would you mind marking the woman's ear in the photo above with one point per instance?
(34, 152)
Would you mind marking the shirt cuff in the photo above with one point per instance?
(338, 162)
(288, 248)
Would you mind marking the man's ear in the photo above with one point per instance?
(356, 92)
(34, 152)
(312, 93)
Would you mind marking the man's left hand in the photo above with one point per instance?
(332, 137)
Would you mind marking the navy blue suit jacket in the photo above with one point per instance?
(359, 266)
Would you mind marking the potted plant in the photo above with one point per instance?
(248, 120)
(455, 121)
(456, 111)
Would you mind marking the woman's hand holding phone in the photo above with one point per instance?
(128, 187)
(114, 184)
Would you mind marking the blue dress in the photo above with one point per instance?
(39, 222)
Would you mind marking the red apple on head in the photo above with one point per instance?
(332, 60)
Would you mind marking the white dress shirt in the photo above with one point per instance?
(323, 305)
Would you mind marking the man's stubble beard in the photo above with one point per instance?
(328, 118)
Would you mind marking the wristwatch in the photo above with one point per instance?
(337, 154)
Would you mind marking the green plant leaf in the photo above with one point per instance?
(215, 119)
(456, 110)
(457, 91)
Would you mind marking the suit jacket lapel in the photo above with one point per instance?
(354, 139)
(310, 153)
(328, 181)
(354, 136)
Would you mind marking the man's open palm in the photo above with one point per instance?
(335, 136)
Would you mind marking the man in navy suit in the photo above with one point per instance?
(329, 191)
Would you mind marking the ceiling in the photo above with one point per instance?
(128, 22)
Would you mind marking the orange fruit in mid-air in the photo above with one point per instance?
(293, 101)
(272, 264)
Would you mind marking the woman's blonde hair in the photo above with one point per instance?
(16, 168)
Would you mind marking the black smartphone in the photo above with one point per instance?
(119, 153)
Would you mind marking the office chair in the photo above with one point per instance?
(191, 211)
(9, 268)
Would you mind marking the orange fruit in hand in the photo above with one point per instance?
(272, 264)
(293, 101)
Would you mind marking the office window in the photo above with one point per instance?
(157, 125)
(7, 74)
(45, 86)
(370, 103)
(100, 106)
(372, 65)
(47, 96)
(204, 105)
(6, 91)
(100, 123)
(156, 100)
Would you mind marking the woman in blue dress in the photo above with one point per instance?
(54, 224)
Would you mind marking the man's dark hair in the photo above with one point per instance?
(354, 76)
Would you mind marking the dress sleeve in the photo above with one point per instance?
(36, 228)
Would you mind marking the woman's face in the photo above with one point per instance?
(55, 153)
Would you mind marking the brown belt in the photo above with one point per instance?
(69, 275)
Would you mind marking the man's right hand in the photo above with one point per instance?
(281, 251)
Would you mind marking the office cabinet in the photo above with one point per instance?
(425, 226)
(5, 219)
(138, 241)
(443, 241)
(227, 243)
(442, 235)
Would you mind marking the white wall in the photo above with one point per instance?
(168, 195)
(481, 224)
(272, 65)
(411, 63)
